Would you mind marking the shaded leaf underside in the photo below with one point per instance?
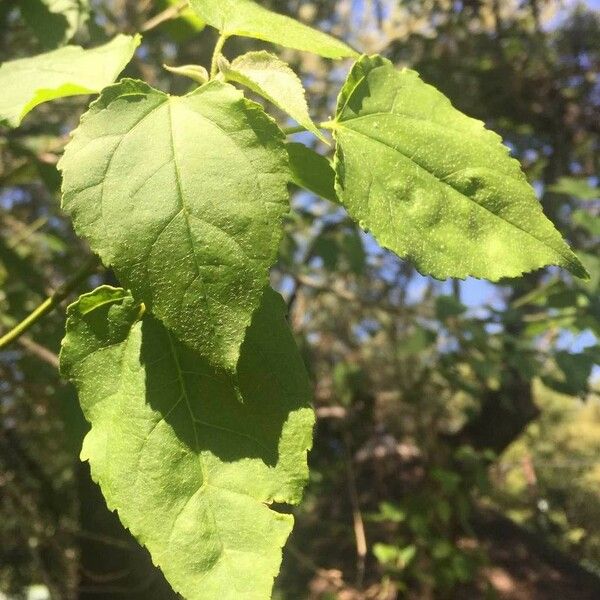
(190, 468)
(311, 171)
(55, 22)
(249, 19)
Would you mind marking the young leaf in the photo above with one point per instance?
(311, 171)
(55, 22)
(69, 71)
(190, 469)
(196, 72)
(249, 19)
(185, 198)
(274, 80)
(434, 185)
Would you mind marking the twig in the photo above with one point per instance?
(50, 303)
(300, 128)
(218, 52)
(169, 13)
(40, 351)
(359, 526)
(27, 232)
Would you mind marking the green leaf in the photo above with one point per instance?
(274, 80)
(69, 71)
(191, 469)
(55, 22)
(575, 373)
(354, 251)
(573, 186)
(249, 19)
(447, 307)
(311, 171)
(587, 221)
(328, 250)
(195, 72)
(184, 197)
(434, 185)
(416, 342)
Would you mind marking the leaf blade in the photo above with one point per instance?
(440, 189)
(248, 19)
(55, 22)
(196, 224)
(190, 468)
(311, 171)
(273, 79)
(68, 71)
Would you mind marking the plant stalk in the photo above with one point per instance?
(299, 128)
(214, 64)
(50, 303)
(169, 13)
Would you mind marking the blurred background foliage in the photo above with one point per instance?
(457, 449)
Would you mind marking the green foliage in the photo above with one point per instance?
(426, 524)
(196, 72)
(311, 171)
(195, 225)
(184, 25)
(248, 19)
(69, 71)
(270, 77)
(55, 22)
(196, 394)
(433, 185)
(571, 186)
(548, 479)
(588, 222)
(190, 467)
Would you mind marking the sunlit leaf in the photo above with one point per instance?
(434, 185)
(270, 77)
(69, 71)
(191, 468)
(249, 19)
(184, 197)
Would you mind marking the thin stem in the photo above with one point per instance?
(359, 526)
(214, 64)
(299, 128)
(294, 129)
(39, 351)
(170, 13)
(49, 304)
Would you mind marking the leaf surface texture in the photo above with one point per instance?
(184, 197)
(434, 185)
(273, 79)
(190, 467)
